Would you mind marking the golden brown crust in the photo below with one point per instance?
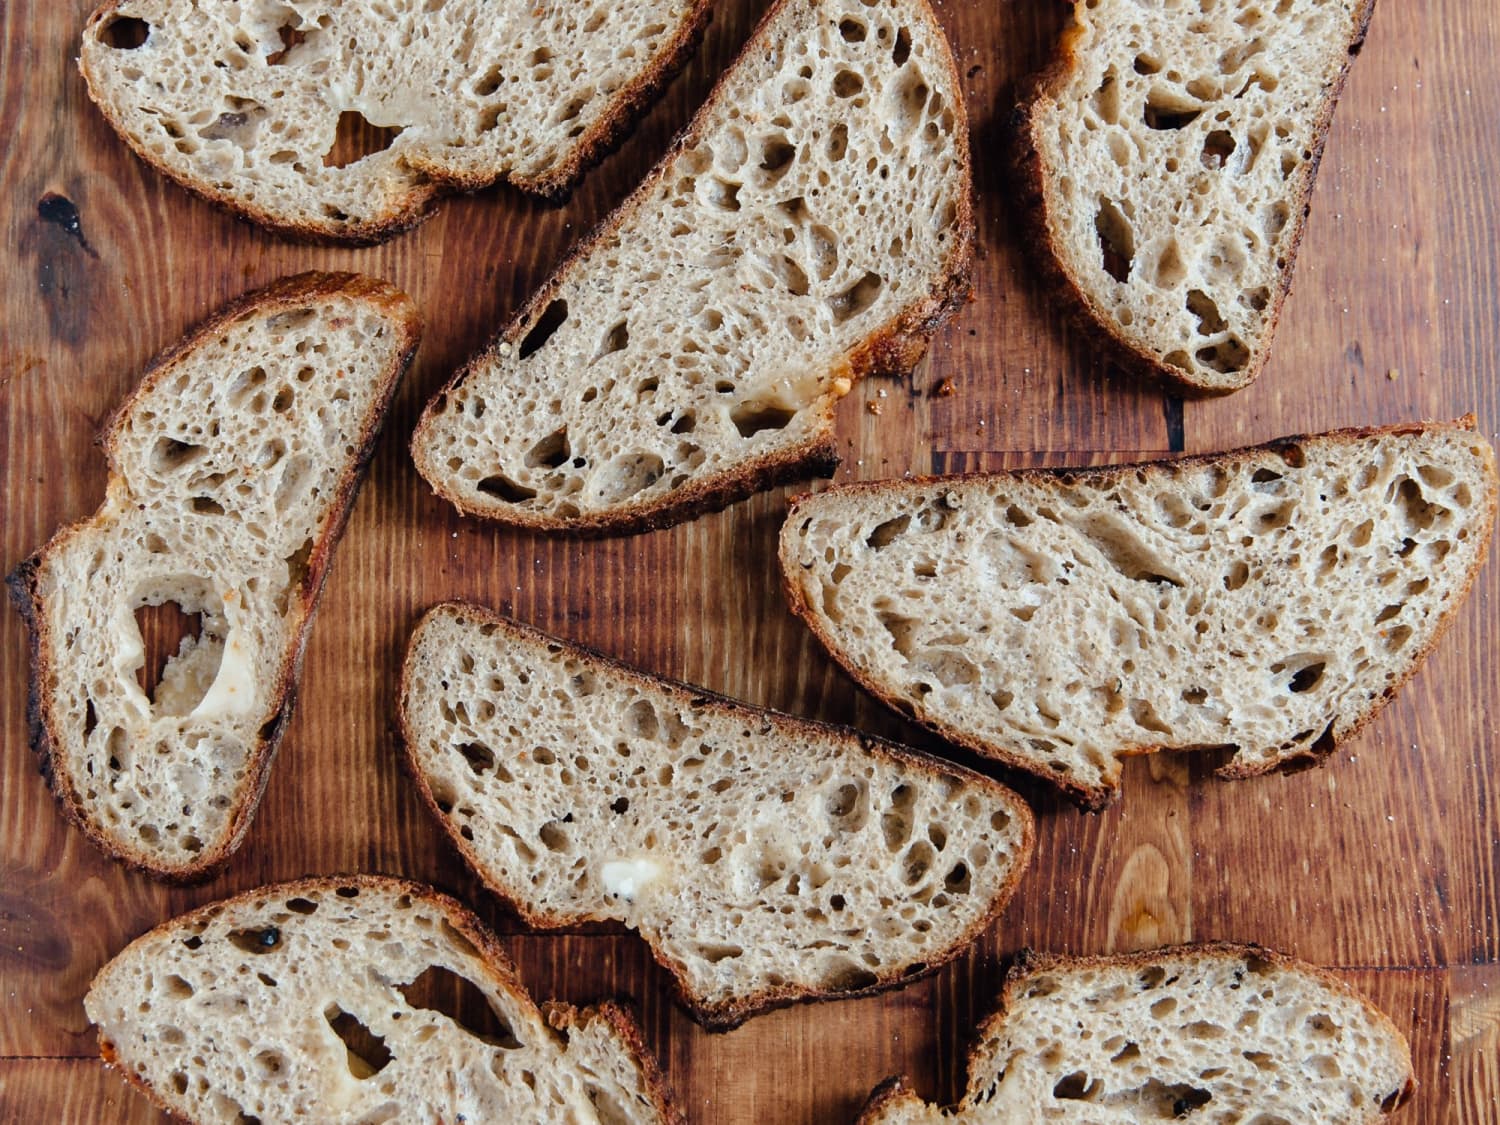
(1098, 797)
(1030, 174)
(631, 102)
(727, 1016)
(893, 1090)
(893, 349)
(22, 582)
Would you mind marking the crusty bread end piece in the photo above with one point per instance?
(246, 103)
(766, 859)
(812, 225)
(1214, 1032)
(343, 1000)
(1167, 158)
(233, 466)
(1266, 602)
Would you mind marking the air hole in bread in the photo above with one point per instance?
(461, 1001)
(170, 454)
(753, 417)
(1116, 240)
(125, 33)
(1201, 305)
(290, 36)
(901, 49)
(617, 339)
(552, 318)
(886, 533)
(1227, 357)
(257, 941)
(181, 658)
(356, 138)
(550, 452)
(1218, 146)
(856, 299)
(366, 1052)
(1166, 110)
(1077, 1087)
(777, 154)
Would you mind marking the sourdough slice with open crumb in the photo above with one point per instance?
(253, 104)
(358, 999)
(811, 225)
(1168, 156)
(1266, 601)
(233, 466)
(766, 859)
(1206, 1033)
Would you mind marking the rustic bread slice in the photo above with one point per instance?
(766, 859)
(1216, 1032)
(346, 121)
(233, 466)
(811, 225)
(1168, 157)
(1267, 601)
(358, 999)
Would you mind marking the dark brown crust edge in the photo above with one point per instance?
(1030, 174)
(1096, 798)
(724, 1017)
(466, 923)
(630, 103)
(1028, 963)
(893, 349)
(27, 599)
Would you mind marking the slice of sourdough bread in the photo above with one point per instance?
(1267, 601)
(1168, 157)
(1214, 1032)
(766, 859)
(345, 121)
(811, 225)
(233, 466)
(358, 999)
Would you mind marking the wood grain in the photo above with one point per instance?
(1385, 863)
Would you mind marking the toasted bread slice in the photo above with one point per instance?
(766, 859)
(343, 1000)
(233, 466)
(345, 122)
(1216, 1032)
(810, 226)
(1267, 601)
(1168, 160)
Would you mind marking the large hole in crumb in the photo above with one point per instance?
(462, 1001)
(165, 631)
(856, 299)
(501, 487)
(366, 1051)
(552, 318)
(1116, 240)
(1165, 110)
(751, 418)
(125, 33)
(356, 138)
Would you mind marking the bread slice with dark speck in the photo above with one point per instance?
(766, 859)
(1265, 602)
(1212, 1033)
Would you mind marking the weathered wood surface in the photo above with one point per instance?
(1385, 864)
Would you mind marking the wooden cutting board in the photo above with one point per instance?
(1382, 865)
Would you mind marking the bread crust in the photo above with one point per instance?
(1030, 174)
(1096, 798)
(25, 595)
(893, 349)
(719, 1017)
(630, 103)
(1028, 964)
(560, 1017)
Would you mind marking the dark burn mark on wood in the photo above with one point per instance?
(62, 212)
